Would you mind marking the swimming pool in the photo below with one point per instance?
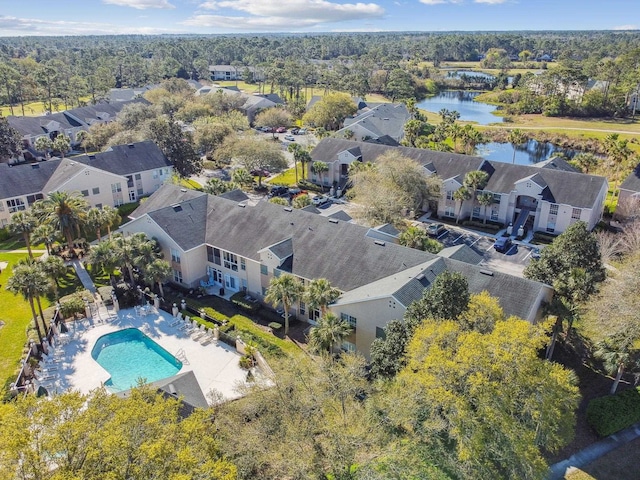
(129, 355)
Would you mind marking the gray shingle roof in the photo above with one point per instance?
(127, 159)
(576, 189)
(462, 253)
(632, 182)
(341, 215)
(351, 261)
(66, 170)
(18, 180)
(236, 195)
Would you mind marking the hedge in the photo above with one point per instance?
(613, 413)
(489, 227)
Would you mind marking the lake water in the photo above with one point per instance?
(526, 154)
(462, 102)
(459, 73)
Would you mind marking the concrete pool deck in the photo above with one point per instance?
(70, 365)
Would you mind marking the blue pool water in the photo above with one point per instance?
(129, 355)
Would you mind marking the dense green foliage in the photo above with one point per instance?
(610, 414)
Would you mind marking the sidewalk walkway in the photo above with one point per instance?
(594, 451)
(83, 275)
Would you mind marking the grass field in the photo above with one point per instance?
(16, 315)
(310, 91)
(34, 108)
(288, 177)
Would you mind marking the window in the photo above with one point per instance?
(98, 205)
(243, 264)
(209, 254)
(230, 261)
(138, 176)
(96, 190)
(175, 256)
(31, 199)
(449, 212)
(449, 194)
(497, 198)
(129, 181)
(551, 226)
(140, 191)
(553, 209)
(166, 171)
(494, 215)
(349, 319)
(85, 193)
(528, 184)
(302, 308)
(276, 272)
(264, 291)
(380, 333)
(348, 347)
(476, 212)
(177, 276)
(576, 213)
(116, 187)
(3, 223)
(16, 205)
(216, 256)
(264, 270)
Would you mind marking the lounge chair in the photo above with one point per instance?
(208, 338)
(176, 321)
(197, 335)
(192, 329)
(187, 324)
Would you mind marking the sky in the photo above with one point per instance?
(99, 17)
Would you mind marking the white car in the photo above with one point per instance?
(319, 200)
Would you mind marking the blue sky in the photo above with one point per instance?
(78, 17)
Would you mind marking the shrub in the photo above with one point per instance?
(105, 294)
(127, 296)
(489, 227)
(73, 304)
(539, 237)
(610, 414)
(4, 234)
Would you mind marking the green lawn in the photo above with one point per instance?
(16, 315)
(288, 177)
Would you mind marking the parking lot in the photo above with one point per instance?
(513, 261)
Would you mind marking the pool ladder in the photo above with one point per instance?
(180, 355)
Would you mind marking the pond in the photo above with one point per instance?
(468, 73)
(526, 154)
(462, 102)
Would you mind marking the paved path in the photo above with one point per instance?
(23, 251)
(83, 275)
(594, 451)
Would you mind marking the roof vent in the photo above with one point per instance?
(131, 145)
(183, 190)
(241, 205)
(379, 242)
(35, 166)
(333, 220)
(92, 157)
(172, 390)
(288, 209)
(176, 207)
(487, 272)
(420, 277)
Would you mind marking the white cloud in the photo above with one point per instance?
(274, 15)
(33, 26)
(141, 4)
(626, 27)
(491, 2)
(433, 2)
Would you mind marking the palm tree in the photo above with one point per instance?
(62, 144)
(145, 252)
(319, 294)
(286, 290)
(65, 211)
(461, 195)
(23, 223)
(159, 270)
(413, 237)
(46, 234)
(619, 155)
(516, 138)
(242, 177)
(30, 282)
(81, 138)
(111, 218)
(319, 168)
(54, 268)
(475, 180)
(485, 199)
(103, 256)
(126, 249)
(616, 353)
(43, 144)
(471, 137)
(329, 331)
(95, 221)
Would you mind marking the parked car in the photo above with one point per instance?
(294, 131)
(302, 131)
(436, 229)
(289, 138)
(281, 129)
(278, 191)
(535, 252)
(266, 129)
(260, 173)
(503, 244)
(294, 192)
(319, 200)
